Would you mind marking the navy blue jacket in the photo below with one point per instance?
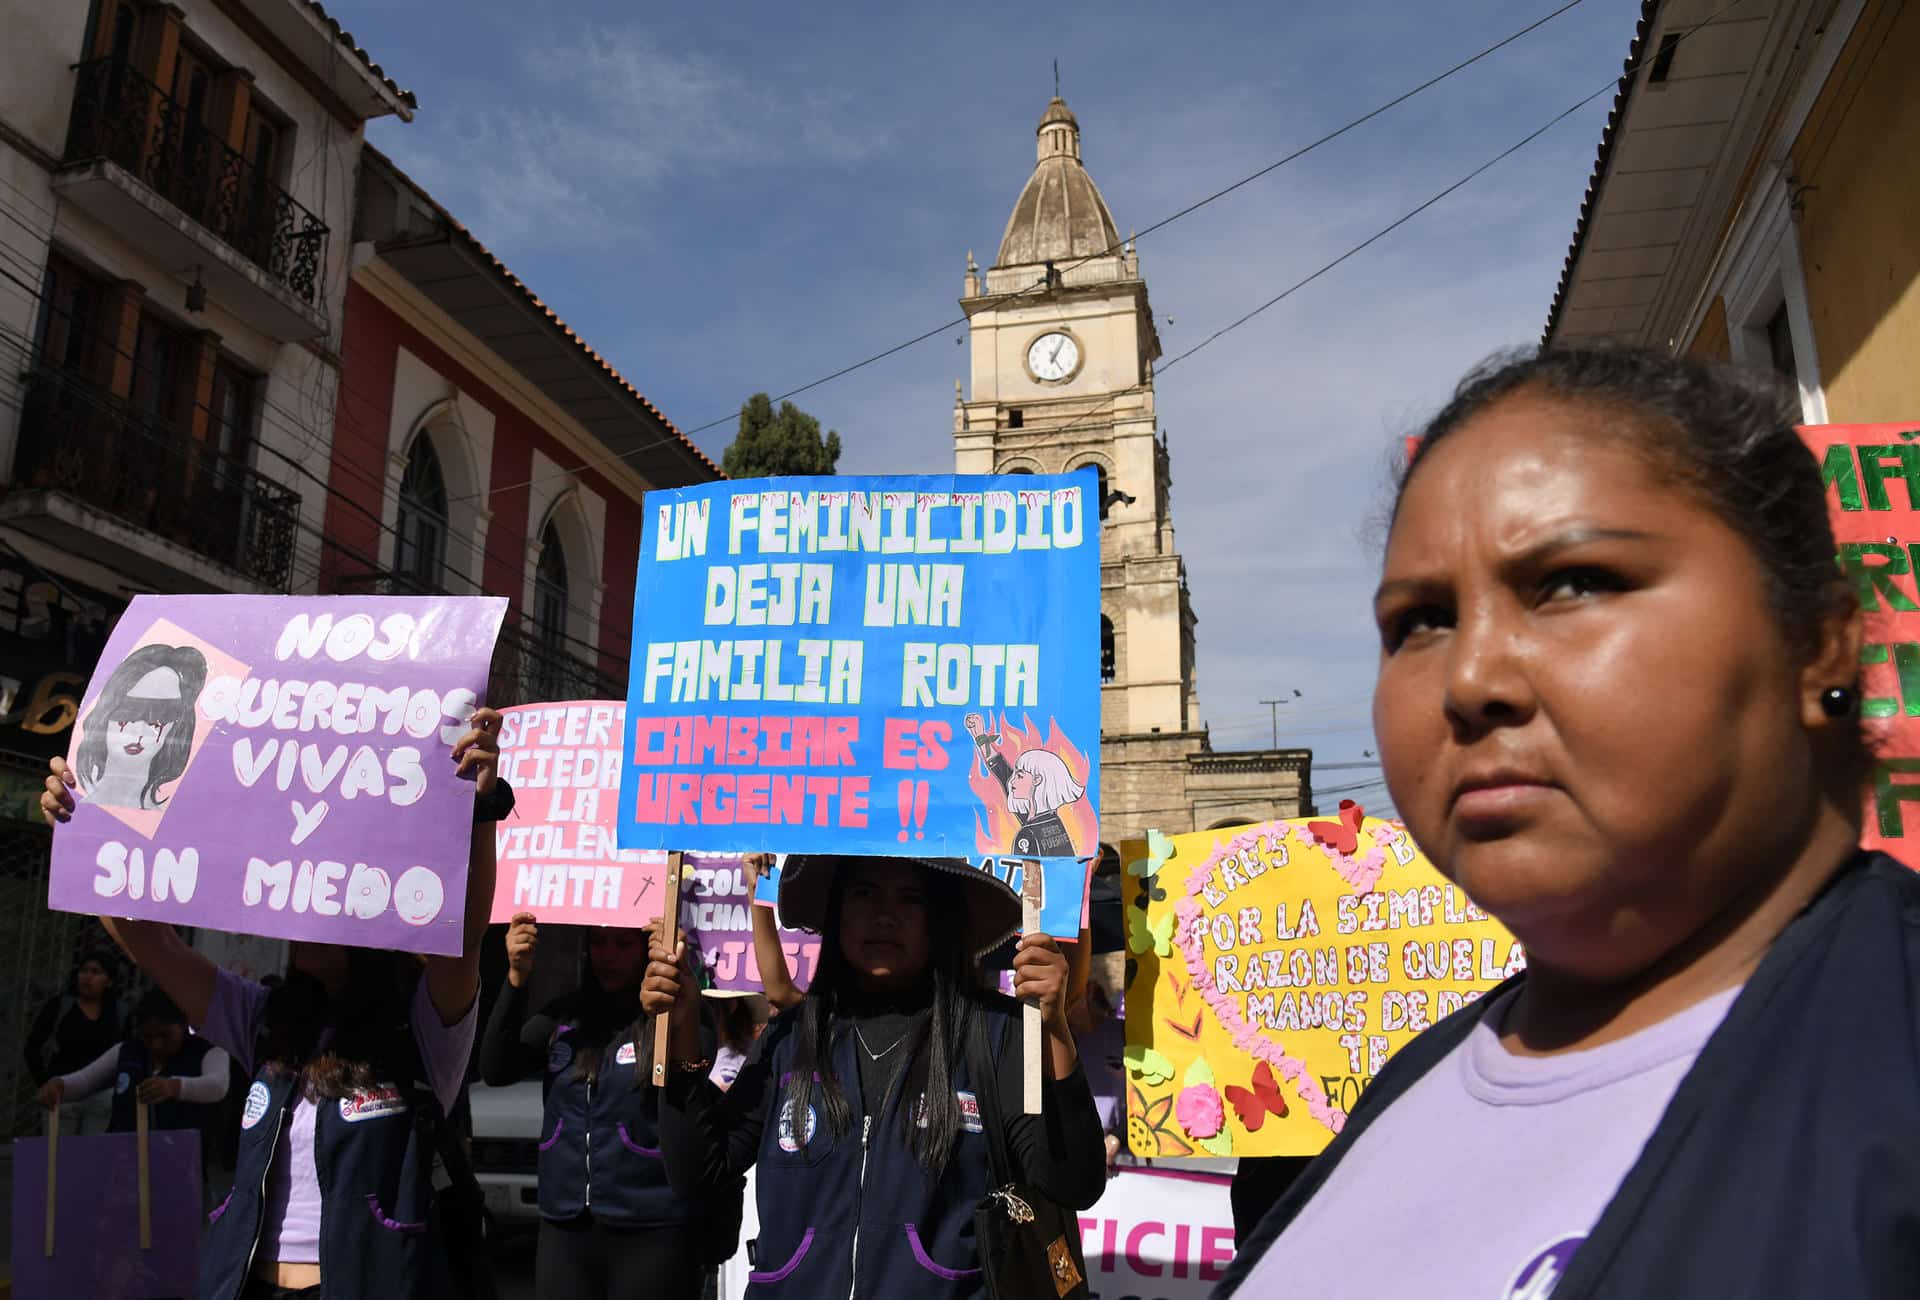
(1788, 1162)
(598, 1148)
(373, 1153)
(135, 1065)
(854, 1215)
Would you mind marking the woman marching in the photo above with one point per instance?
(862, 1109)
(610, 1226)
(332, 1194)
(1618, 704)
(74, 1028)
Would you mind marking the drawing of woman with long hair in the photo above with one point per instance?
(1038, 784)
(138, 736)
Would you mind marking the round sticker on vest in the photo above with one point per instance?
(559, 1056)
(256, 1107)
(120, 1083)
(1539, 1276)
(788, 1142)
(626, 1054)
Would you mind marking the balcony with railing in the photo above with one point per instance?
(96, 474)
(140, 161)
(528, 667)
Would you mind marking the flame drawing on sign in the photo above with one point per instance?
(997, 832)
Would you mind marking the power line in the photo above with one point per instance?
(1059, 271)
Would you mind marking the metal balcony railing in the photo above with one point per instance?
(528, 668)
(121, 116)
(79, 439)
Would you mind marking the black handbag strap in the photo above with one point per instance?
(986, 1085)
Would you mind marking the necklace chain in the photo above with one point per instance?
(873, 1055)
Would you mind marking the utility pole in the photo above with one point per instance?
(1275, 708)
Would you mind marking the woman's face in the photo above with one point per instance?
(1587, 712)
(883, 924)
(617, 957)
(1020, 785)
(163, 1038)
(92, 981)
(135, 733)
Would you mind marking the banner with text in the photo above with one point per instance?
(558, 855)
(1872, 477)
(1158, 1234)
(867, 665)
(1276, 967)
(716, 911)
(278, 766)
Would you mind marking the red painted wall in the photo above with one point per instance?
(372, 337)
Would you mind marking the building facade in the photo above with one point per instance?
(481, 446)
(1063, 347)
(1753, 200)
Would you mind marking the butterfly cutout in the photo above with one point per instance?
(1253, 1106)
(1342, 836)
(1142, 935)
(1189, 1032)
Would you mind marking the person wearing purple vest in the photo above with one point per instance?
(355, 1058)
(861, 1109)
(1619, 704)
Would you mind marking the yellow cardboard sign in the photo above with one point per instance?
(1275, 968)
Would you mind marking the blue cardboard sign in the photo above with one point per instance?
(867, 665)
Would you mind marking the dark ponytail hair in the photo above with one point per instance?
(934, 1046)
(367, 1018)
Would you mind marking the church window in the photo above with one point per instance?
(1016, 418)
(1107, 665)
(420, 552)
(1100, 476)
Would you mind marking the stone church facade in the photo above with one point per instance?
(1063, 348)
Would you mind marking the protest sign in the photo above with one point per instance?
(1276, 968)
(558, 855)
(867, 665)
(96, 1217)
(716, 912)
(278, 766)
(1872, 478)
(1158, 1234)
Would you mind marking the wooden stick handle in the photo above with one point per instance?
(669, 935)
(1032, 1032)
(53, 1168)
(146, 1185)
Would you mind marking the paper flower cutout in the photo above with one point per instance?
(1148, 1133)
(1148, 1063)
(1199, 1110)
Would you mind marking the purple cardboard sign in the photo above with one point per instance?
(96, 1218)
(278, 765)
(716, 912)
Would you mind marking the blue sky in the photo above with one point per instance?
(731, 198)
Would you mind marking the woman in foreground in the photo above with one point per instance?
(1618, 703)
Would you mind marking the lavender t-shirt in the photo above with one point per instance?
(291, 1230)
(1485, 1176)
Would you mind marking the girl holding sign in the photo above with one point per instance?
(181, 1075)
(861, 1110)
(1619, 704)
(610, 1226)
(337, 1146)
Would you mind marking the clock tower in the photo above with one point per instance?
(1063, 347)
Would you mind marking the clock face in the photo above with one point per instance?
(1053, 357)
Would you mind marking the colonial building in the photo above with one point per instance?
(1063, 346)
(482, 446)
(1753, 200)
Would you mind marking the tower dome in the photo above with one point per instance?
(1060, 214)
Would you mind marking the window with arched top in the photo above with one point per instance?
(1018, 469)
(420, 551)
(550, 591)
(1108, 666)
(1100, 489)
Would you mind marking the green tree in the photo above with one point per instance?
(771, 442)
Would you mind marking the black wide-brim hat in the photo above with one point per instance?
(993, 909)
